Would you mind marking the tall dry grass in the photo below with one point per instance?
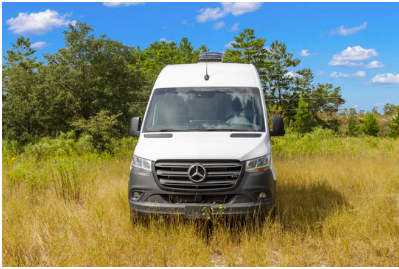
(333, 210)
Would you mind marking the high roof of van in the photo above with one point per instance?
(220, 75)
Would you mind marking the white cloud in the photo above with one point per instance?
(360, 74)
(378, 104)
(355, 106)
(229, 45)
(219, 25)
(305, 53)
(348, 57)
(236, 9)
(187, 23)
(210, 14)
(39, 45)
(117, 4)
(375, 64)
(344, 63)
(234, 28)
(348, 31)
(292, 74)
(388, 78)
(38, 23)
(320, 73)
(165, 40)
(165, 27)
(239, 8)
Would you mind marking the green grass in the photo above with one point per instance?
(337, 201)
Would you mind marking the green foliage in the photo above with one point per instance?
(21, 105)
(85, 77)
(375, 111)
(97, 73)
(282, 90)
(370, 125)
(303, 120)
(160, 54)
(92, 74)
(326, 142)
(101, 127)
(390, 109)
(394, 126)
(353, 127)
(67, 184)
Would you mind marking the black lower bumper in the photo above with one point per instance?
(242, 200)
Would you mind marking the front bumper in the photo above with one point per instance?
(242, 200)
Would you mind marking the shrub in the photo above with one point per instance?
(370, 125)
(353, 128)
(394, 126)
(102, 128)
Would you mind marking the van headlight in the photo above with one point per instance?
(140, 164)
(258, 165)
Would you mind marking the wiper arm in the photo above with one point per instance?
(164, 130)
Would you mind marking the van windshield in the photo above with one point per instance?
(205, 109)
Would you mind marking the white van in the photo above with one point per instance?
(204, 143)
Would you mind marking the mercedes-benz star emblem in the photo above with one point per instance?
(196, 173)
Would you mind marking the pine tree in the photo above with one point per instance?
(370, 125)
(394, 126)
(303, 120)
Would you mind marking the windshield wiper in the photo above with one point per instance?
(164, 130)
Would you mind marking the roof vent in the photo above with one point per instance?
(210, 57)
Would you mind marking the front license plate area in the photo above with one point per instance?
(200, 212)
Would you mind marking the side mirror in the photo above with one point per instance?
(135, 126)
(278, 126)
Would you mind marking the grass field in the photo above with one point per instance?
(336, 207)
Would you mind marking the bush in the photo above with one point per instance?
(394, 126)
(326, 142)
(370, 125)
(353, 128)
(102, 128)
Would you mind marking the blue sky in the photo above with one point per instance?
(352, 45)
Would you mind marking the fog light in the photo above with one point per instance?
(262, 195)
(136, 195)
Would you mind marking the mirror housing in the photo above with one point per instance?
(135, 126)
(278, 126)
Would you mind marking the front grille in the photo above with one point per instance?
(219, 174)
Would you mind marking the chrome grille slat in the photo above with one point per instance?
(182, 165)
(222, 173)
(219, 174)
(209, 182)
(172, 173)
(221, 165)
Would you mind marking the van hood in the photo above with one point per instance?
(202, 146)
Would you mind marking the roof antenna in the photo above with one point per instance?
(206, 77)
(213, 57)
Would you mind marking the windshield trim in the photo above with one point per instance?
(262, 108)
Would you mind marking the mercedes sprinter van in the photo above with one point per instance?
(204, 143)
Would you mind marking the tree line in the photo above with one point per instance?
(94, 85)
